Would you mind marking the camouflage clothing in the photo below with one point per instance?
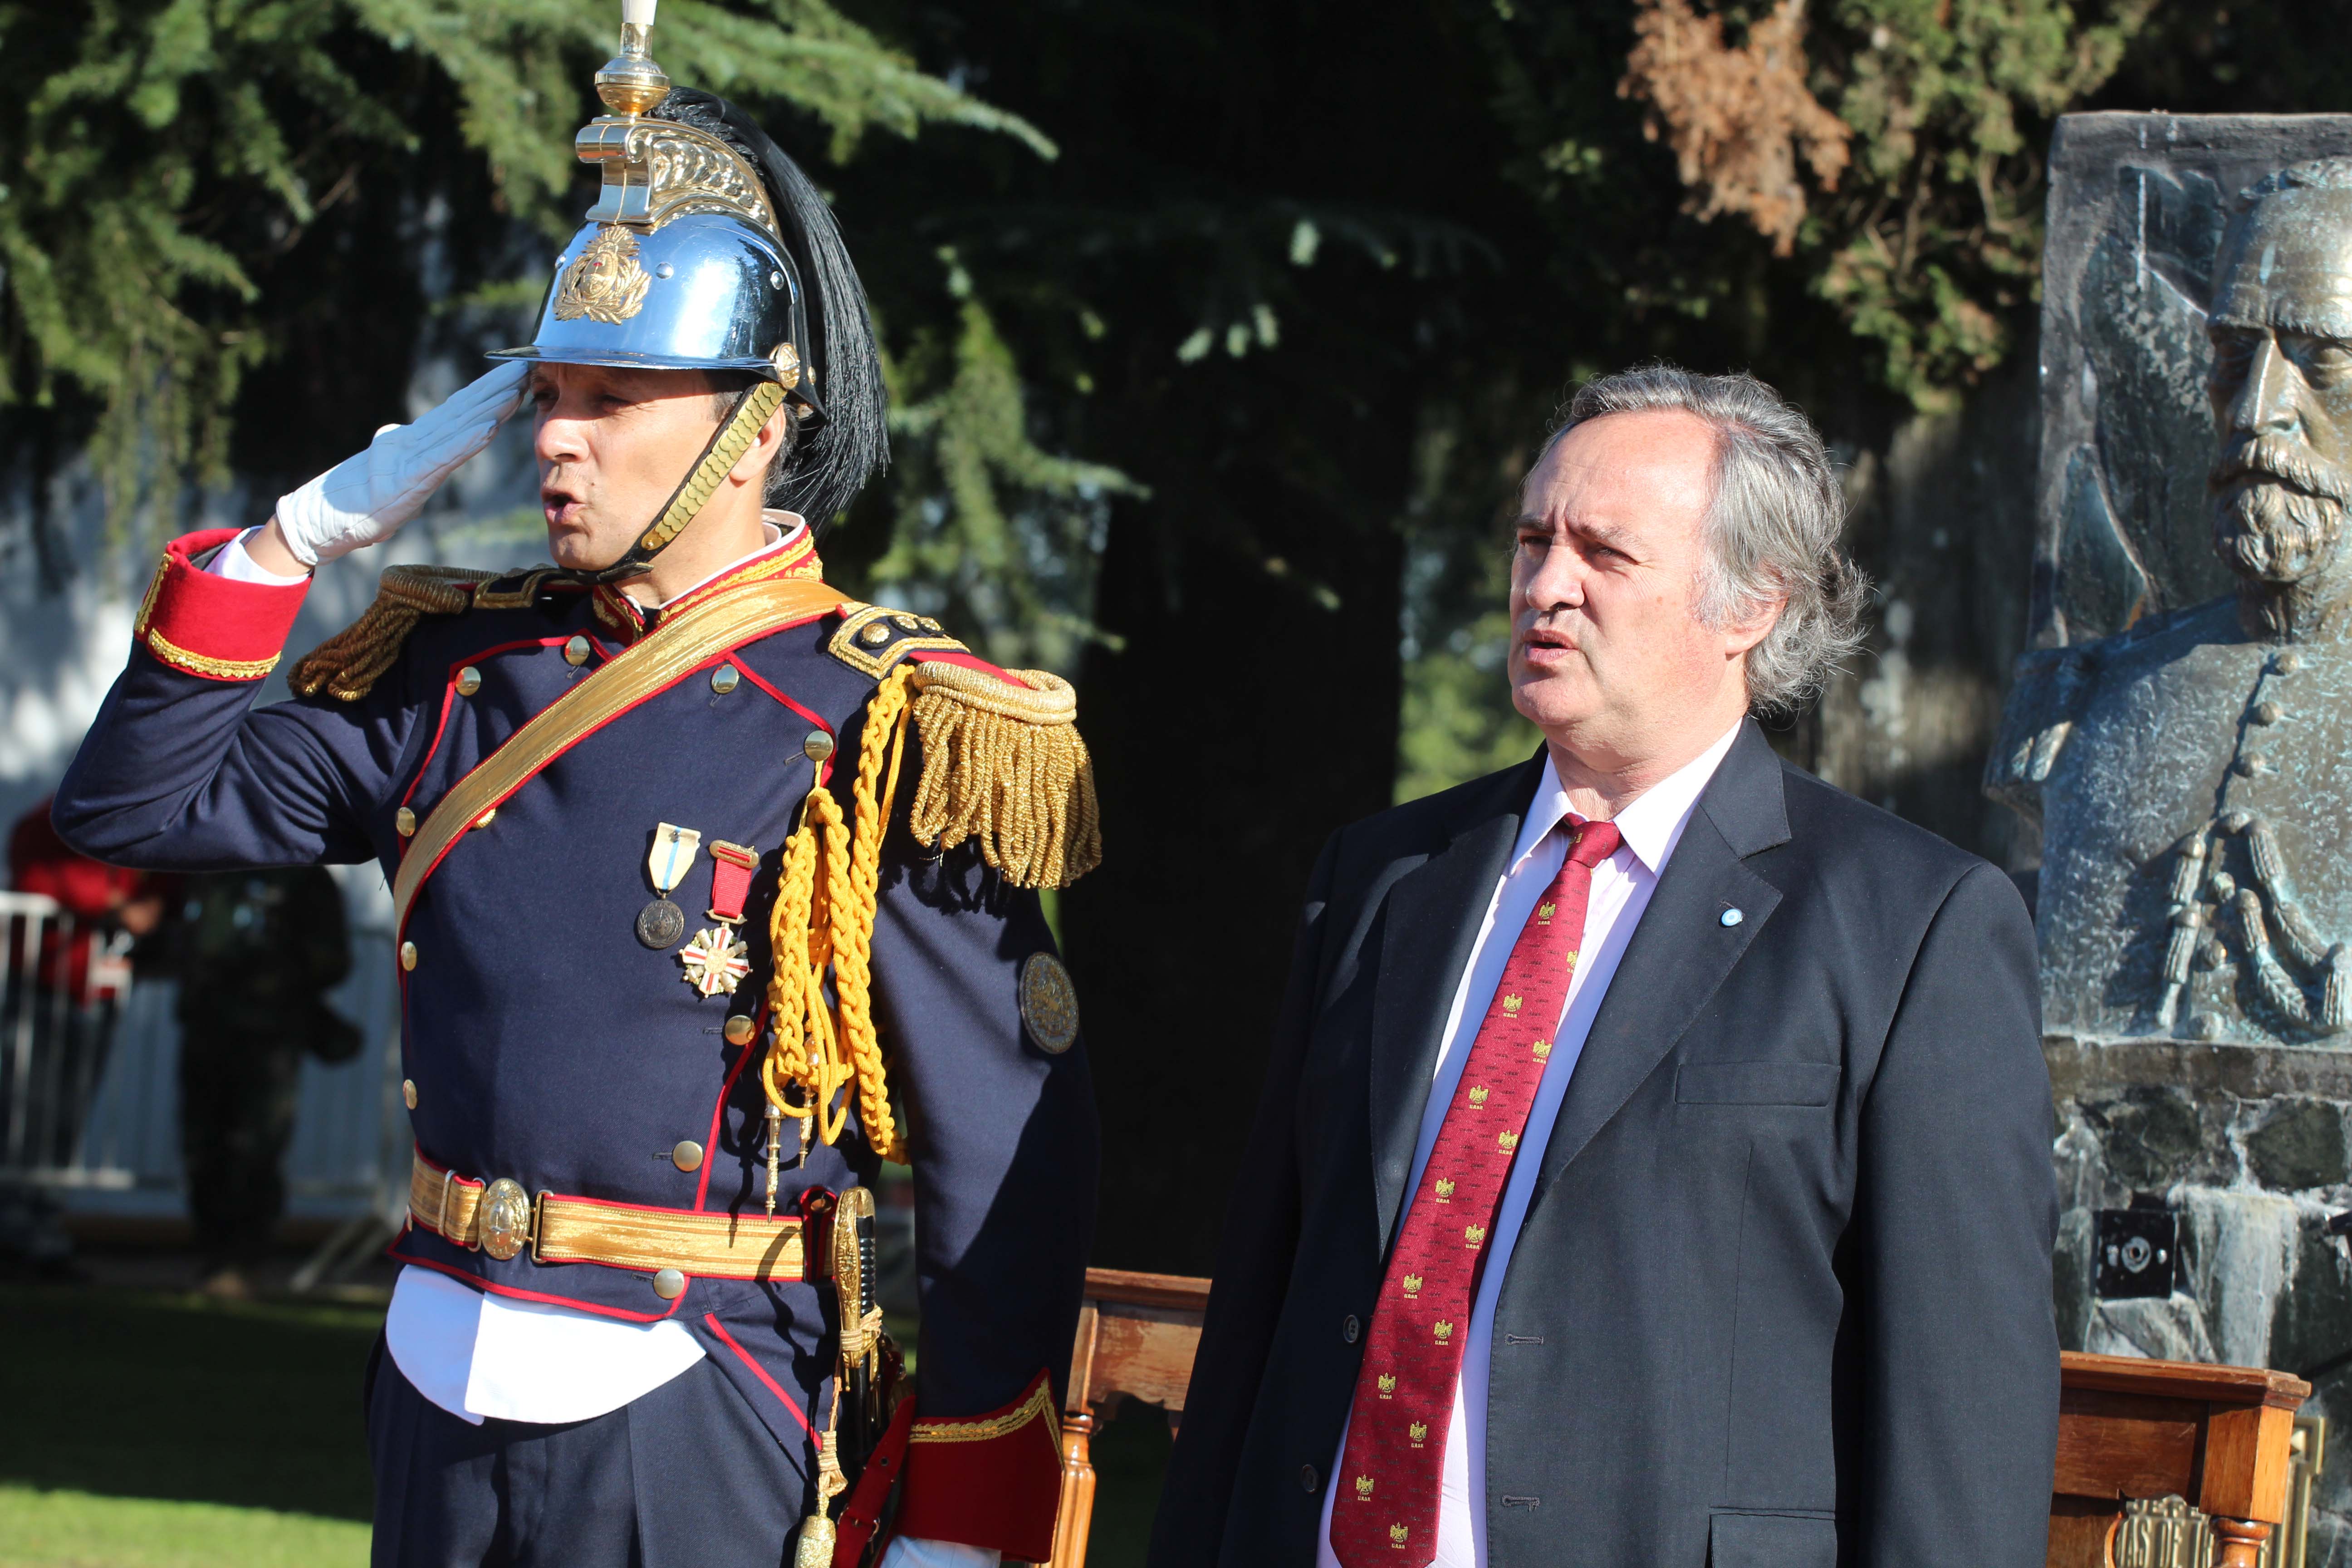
(258, 950)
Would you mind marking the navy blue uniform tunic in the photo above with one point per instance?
(547, 1044)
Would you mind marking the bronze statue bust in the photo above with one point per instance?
(2192, 774)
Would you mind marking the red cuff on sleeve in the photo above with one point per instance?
(210, 626)
(992, 1481)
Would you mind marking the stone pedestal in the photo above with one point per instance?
(2249, 1149)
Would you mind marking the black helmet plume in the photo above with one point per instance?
(831, 463)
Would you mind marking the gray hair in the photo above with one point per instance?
(1771, 529)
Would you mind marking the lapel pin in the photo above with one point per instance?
(1733, 917)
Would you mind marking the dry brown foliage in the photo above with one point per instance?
(1735, 117)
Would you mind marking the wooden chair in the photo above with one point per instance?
(2219, 1439)
(1137, 1333)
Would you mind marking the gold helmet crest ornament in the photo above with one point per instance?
(605, 283)
(682, 263)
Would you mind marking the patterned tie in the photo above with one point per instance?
(1386, 1514)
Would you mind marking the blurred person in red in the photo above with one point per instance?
(57, 1021)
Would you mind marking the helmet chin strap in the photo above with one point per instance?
(753, 407)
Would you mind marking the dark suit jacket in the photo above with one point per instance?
(1782, 1297)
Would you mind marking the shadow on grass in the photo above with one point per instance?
(170, 1396)
(1130, 1455)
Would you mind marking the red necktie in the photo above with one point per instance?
(1386, 1513)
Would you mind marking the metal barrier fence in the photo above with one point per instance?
(88, 1077)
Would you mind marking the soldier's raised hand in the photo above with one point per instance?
(363, 500)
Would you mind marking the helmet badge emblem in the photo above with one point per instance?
(605, 284)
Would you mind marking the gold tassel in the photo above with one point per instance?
(1006, 766)
(347, 665)
(818, 1533)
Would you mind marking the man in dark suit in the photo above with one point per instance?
(1654, 1165)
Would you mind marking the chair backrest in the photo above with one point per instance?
(2219, 1439)
(1136, 1336)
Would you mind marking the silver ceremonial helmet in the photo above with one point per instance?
(681, 264)
(693, 259)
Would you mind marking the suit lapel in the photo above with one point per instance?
(1430, 927)
(1682, 951)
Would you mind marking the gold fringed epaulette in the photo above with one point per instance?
(349, 664)
(1001, 759)
(1003, 764)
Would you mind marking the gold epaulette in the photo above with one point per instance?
(349, 664)
(1003, 761)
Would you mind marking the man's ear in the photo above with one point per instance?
(761, 452)
(1743, 634)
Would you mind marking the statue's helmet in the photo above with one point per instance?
(709, 250)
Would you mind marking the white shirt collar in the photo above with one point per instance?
(778, 529)
(1651, 825)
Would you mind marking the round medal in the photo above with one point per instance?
(660, 924)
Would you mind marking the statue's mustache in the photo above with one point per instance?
(2275, 459)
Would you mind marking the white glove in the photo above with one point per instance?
(364, 499)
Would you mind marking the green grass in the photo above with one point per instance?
(172, 1398)
(1130, 1456)
(76, 1530)
(166, 1431)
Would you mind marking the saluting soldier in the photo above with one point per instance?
(714, 891)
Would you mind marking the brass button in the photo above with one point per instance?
(724, 678)
(407, 955)
(688, 1155)
(404, 821)
(818, 747)
(408, 1092)
(486, 817)
(738, 1030)
(577, 651)
(669, 1284)
(470, 680)
(877, 634)
(907, 623)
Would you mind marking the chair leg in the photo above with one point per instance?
(2241, 1542)
(1075, 1521)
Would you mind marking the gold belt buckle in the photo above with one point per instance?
(505, 1219)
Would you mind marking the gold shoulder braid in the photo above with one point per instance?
(1000, 764)
(349, 664)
